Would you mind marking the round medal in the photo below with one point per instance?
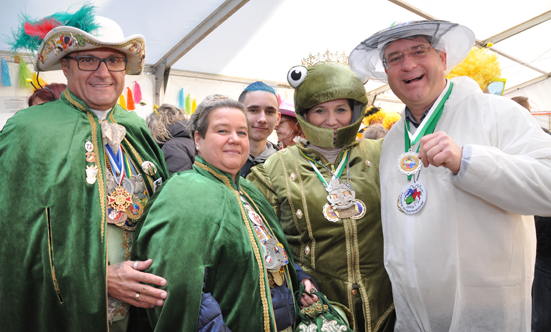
(255, 218)
(412, 198)
(115, 217)
(329, 213)
(128, 185)
(361, 210)
(135, 210)
(409, 163)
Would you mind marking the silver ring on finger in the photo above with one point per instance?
(135, 265)
(137, 297)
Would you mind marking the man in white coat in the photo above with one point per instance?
(460, 173)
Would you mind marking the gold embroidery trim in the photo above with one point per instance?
(101, 185)
(51, 254)
(348, 261)
(291, 205)
(259, 260)
(125, 244)
(356, 267)
(384, 316)
(305, 207)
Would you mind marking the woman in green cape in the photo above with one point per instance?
(216, 240)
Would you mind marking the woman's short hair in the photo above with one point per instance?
(158, 121)
(50, 92)
(199, 121)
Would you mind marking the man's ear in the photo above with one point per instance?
(278, 117)
(444, 58)
(65, 67)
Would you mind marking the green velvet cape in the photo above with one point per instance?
(54, 249)
(196, 231)
(336, 254)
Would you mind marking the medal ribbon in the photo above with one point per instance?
(428, 124)
(116, 164)
(337, 173)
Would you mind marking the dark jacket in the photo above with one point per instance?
(271, 148)
(179, 151)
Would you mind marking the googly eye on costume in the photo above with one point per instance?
(296, 75)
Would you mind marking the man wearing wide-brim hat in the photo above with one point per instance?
(459, 249)
(76, 175)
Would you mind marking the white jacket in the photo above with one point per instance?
(465, 261)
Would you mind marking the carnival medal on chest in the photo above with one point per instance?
(341, 196)
(413, 195)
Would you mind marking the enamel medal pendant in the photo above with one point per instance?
(409, 163)
(329, 213)
(340, 196)
(120, 199)
(412, 198)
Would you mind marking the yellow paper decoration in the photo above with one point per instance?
(482, 65)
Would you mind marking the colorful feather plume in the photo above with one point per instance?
(82, 19)
(181, 99)
(130, 100)
(40, 29)
(24, 74)
(137, 93)
(6, 80)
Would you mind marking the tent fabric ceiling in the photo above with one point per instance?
(264, 38)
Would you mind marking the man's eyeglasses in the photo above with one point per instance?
(396, 59)
(92, 63)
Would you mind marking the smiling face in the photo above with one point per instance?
(263, 114)
(226, 142)
(333, 114)
(99, 89)
(417, 83)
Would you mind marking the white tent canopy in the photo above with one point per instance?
(216, 46)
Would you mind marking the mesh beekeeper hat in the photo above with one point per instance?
(456, 40)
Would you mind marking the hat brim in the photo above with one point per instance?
(454, 39)
(64, 40)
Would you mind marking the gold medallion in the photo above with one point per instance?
(120, 199)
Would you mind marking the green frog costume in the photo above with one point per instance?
(341, 250)
(201, 234)
(54, 214)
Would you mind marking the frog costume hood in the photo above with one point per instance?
(325, 82)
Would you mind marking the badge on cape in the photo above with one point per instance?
(149, 168)
(412, 198)
(91, 173)
(89, 146)
(409, 163)
(90, 157)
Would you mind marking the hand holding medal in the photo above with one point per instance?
(439, 149)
